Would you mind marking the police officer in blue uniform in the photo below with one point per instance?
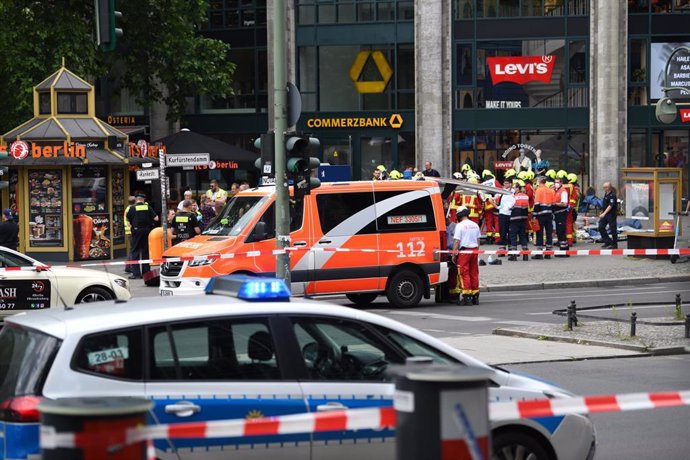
(142, 218)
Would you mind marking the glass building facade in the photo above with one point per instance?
(492, 107)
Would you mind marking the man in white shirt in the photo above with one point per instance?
(505, 209)
(466, 237)
(187, 196)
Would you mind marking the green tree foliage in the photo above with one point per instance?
(161, 49)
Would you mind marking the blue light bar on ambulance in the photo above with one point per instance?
(252, 289)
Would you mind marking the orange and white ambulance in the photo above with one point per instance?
(362, 239)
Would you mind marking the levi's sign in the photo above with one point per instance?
(187, 159)
(521, 69)
(685, 115)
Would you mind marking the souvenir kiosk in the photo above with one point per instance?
(68, 175)
(650, 197)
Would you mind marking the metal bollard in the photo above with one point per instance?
(687, 326)
(98, 426)
(574, 307)
(442, 412)
(569, 315)
(633, 324)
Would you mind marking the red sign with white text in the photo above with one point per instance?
(685, 115)
(521, 69)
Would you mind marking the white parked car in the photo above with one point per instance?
(27, 284)
(236, 354)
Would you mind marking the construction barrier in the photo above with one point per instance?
(570, 252)
(374, 418)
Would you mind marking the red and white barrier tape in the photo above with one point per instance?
(373, 419)
(557, 252)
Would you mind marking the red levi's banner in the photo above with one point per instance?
(521, 69)
(685, 115)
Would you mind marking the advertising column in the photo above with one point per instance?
(91, 219)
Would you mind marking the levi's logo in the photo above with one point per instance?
(685, 115)
(521, 69)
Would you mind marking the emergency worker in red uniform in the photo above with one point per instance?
(490, 211)
(574, 205)
(465, 238)
(472, 202)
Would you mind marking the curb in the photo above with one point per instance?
(556, 338)
(585, 283)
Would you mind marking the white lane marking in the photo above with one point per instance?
(524, 323)
(575, 291)
(446, 332)
(422, 314)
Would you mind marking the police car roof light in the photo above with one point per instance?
(250, 288)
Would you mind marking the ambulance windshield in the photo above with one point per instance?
(235, 216)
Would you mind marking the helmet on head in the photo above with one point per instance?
(530, 175)
(395, 174)
(473, 180)
(462, 211)
(419, 176)
(572, 178)
(381, 168)
(520, 182)
(509, 173)
(466, 167)
(551, 174)
(457, 175)
(486, 174)
(562, 173)
(523, 175)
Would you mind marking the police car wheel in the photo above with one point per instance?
(405, 289)
(361, 299)
(94, 294)
(514, 445)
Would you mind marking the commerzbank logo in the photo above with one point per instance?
(384, 68)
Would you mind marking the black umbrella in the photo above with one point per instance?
(187, 141)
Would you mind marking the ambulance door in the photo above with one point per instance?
(263, 243)
(345, 246)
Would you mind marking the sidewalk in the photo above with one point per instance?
(578, 271)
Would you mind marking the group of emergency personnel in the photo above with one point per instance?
(508, 220)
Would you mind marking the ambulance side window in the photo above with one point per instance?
(296, 214)
(411, 216)
(269, 219)
(343, 208)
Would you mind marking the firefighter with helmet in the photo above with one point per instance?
(471, 201)
(395, 175)
(518, 221)
(490, 211)
(569, 231)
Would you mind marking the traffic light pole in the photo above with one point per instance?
(280, 124)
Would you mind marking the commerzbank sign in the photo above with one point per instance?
(394, 121)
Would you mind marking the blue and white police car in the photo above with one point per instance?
(245, 350)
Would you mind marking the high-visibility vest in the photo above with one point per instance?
(473, 203)
(521, 206)
(543, 200)
(128, 225)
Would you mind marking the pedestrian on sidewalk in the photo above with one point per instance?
(9, 230)
(466, 237)
(608, 217)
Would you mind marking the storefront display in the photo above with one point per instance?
(118, 197)
(45, 208)
(91, 220)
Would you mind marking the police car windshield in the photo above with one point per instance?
(235, 216)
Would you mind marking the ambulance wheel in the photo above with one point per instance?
(362, 300)
(405, 289)
(514, 444)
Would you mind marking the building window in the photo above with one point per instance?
(124, 103)
(72, 103)
(250, 83)
(637, 79)
(44, 103)
(236, 14)
(464, 9)
(351, 11)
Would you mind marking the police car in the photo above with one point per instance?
(245, 351)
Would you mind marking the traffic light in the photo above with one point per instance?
(107, 21)
(266, 144)
(300, 163)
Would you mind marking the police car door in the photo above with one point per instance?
(346, 363)
(347, 220)
(222, 368)
(23, 286)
